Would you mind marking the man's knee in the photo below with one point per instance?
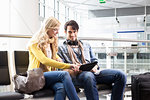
(88, 77)
(122, 76)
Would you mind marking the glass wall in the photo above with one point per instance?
(130, 59)
(59, 10)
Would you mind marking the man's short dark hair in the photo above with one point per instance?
(72, 23)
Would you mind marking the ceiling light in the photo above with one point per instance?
(102, 1)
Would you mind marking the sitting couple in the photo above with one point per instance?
(73, 52)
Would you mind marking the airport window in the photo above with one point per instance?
(61, 12)
(148, 38)
(61, 8)
(51, 3)
(49, 6)
(57, 9)
(66, 13)
(75, 15)
(46, 8)
(42, 8)
(71, 14)
(62, 18)
(78, 18)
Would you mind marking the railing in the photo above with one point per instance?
(81, 38)
(15, 36)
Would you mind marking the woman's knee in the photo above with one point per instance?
(65, 75)
(59, 87)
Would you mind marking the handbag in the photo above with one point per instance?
(30, 81)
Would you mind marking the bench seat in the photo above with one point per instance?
(102, 89)
(42, 93)
(11, 96)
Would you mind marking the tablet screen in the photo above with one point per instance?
(88, 66)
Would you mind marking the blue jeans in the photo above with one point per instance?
(88, 81)
(61, 83)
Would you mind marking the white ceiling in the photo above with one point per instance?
(83, 6)
(110, 4)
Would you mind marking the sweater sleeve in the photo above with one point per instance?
(37, 52)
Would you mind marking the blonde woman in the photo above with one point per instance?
(42, 54)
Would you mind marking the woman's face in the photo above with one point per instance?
(52, 32)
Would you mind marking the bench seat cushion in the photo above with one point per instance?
(43, 93)
(11, 96)
(103, 87)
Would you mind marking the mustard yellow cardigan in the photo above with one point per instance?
(36, 56)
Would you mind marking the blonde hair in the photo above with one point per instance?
(41, 37)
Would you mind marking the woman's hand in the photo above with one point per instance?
(74, 67)
(59, 60)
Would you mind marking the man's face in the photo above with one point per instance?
(71, 34)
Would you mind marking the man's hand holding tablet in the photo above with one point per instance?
(88, 66)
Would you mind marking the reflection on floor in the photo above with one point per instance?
(127, 96)
(101, 97)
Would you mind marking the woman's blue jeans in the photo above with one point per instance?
(88, 81)
(61, 83)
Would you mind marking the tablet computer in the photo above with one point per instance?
(88, 66)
